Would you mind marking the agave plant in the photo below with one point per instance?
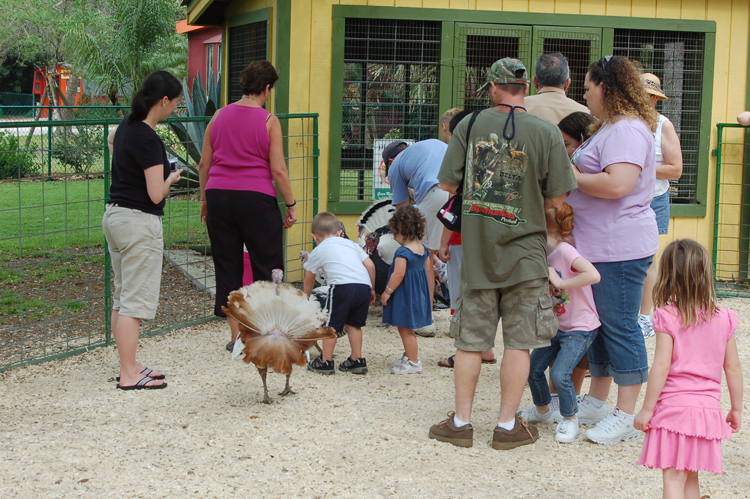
(204, 102)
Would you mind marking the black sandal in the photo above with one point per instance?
(450, 362)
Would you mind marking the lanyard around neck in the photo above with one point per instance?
(510, 119)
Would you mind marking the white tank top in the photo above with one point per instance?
(661, 185)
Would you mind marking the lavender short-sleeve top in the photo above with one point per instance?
(622, 229)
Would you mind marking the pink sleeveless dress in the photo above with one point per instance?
(688, 424)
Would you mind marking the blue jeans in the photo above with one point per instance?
(566, 352)
(619, 349)
(660, 205)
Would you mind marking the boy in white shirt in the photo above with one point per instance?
(351, 277)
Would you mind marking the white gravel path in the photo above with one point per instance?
(65, 431)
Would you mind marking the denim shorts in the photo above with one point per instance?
(619, 349)
(660, 205)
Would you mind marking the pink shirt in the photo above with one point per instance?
(578, 311)
(697, 354)
(240, 141)
(622, 229)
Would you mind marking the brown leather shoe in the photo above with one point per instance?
(446, 431)
(523, 433)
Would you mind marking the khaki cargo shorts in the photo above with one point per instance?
(526, 311)
(136, 247)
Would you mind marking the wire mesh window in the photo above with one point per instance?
(677, 59)
(479, 48)
(247, 43)
(580, 49)
(391, 75)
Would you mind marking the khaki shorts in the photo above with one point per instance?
(526, 311)
(429, 206)
(136, 247)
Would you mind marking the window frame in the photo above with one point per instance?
(448, 61)
(243, 20)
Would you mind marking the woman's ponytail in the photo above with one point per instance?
(156, 86)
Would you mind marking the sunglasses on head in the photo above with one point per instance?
(603, 61)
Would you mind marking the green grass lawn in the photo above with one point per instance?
(47, 218)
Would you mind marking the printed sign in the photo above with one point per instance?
(380, 187)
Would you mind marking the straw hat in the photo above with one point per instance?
(653, 85)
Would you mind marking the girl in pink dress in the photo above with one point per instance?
(681, 413)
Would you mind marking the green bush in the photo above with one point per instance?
(15, 162)
(79, 148)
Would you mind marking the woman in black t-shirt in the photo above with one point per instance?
(141, 177)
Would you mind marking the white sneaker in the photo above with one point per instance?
(589, 414)
(615, 428)
(647, 327)
(531, 415)
(567, 431)
(400, 361)
(408, 367)
(427, 331)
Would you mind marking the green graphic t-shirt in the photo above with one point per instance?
(503, 230)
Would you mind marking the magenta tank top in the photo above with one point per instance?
(240, 142)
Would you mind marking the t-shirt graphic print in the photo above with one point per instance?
(494, 177)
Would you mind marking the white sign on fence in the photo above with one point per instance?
(380, 187)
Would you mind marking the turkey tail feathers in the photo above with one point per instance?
(374, 217)
(275, 351)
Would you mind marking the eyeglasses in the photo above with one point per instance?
(603, 61)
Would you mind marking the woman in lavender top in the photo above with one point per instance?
(616, 231)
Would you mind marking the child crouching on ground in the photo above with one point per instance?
(578, 321)
(351, 277)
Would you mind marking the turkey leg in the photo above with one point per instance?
(287, 389)
(266, 398)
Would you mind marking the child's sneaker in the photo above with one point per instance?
(617, 427)
(532, 415)
(567, 431)
(397, 363)
(408, 367)
(589, 413)
(318, 366)
(647, 327)
(358, 366)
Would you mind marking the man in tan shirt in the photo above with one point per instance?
(551, 81)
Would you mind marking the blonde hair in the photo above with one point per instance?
(445, 119)
(325, 224)
(686, 281)
(560, 222)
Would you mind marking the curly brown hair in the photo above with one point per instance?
(623, 91)
(257, 76)
(560, 221)
(408, 222)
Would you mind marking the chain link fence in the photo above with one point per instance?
(56, 291)
(731, 249)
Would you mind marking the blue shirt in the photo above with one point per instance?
(417, 167)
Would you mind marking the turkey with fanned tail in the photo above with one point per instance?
(277, 325)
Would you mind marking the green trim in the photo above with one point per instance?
(336, 118)
(447, 67)
(530, 18)
(704, 146)
(249, 18)
(283, 54)
(608, 42)
(348, 207)
(687, 210)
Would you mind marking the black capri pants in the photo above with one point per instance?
(242, 217)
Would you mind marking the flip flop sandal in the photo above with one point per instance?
(143, 385)
(146, 372)
(450, 362)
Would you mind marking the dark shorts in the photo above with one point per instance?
(348, 304)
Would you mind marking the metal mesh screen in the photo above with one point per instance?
(391, 74)
(731, 248)
(478, 48)
(677, 59)
(247, 43)
(580, 48)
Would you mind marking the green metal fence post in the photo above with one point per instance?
(316, 153)
(716, 197)
(107, 262)
(49, 142)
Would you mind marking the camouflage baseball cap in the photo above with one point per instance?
(504, 72)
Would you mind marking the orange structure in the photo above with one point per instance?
(62, 78)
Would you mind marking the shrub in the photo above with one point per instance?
(79, 148)
(15, 162)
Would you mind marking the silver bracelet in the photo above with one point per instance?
(387, 288)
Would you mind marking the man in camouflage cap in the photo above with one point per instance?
(510, 168)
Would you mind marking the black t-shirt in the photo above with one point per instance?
(137, 147)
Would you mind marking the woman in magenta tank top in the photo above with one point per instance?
(242, 159)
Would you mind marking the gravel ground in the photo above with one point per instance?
(65, 431)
